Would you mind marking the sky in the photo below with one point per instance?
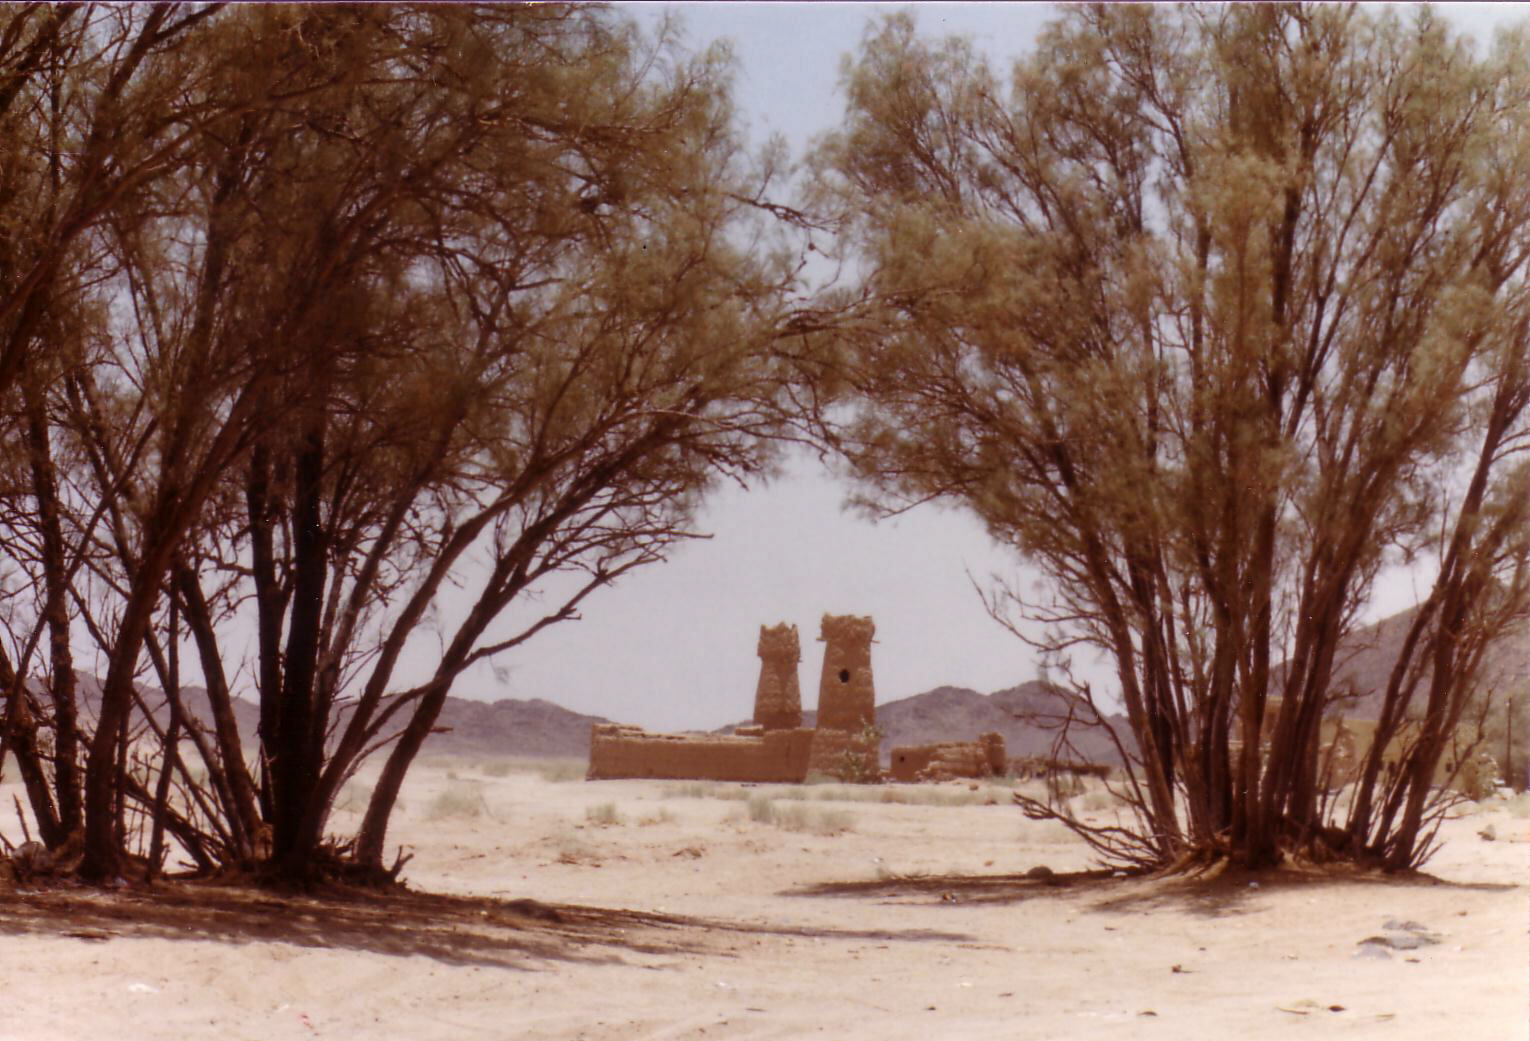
(672, 646)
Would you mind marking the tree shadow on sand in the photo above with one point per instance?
(1231, 893)
(455, 930)
(960, 889)
(1236, 893)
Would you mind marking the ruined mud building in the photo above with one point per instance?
(777, 747)
(947, 760)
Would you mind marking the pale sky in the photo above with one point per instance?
(673, 646)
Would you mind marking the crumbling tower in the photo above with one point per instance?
(846, 696)
(778, 697)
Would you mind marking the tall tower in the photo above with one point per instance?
(778, 697)
(846, 697)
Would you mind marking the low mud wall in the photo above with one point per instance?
(618, 751)
(985, 757)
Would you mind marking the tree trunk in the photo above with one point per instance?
(294, 770)
(66, 770)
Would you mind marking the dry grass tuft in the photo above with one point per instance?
(461, 799)
(605, 814)
(763, 810)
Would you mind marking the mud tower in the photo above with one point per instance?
(778, 697)
(846, 696)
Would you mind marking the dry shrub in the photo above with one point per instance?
(1094, 802)
(354, 796)
(605, 814)
(706, 790)
(832, 822)
(458, 799)
(560, 771)
(574, 850)
(799, 818)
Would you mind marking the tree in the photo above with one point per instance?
(96, 103)
(1216, 314)
(445, 298)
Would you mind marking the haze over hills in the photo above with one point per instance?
(510, 726)
(538, 727)
(961, 714)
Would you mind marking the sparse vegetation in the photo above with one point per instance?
(571, 849)
(861, 763)
(559, 771)
(995, 791)
(354, 796)
(605, 814)
(1095, 802)
(761, 809)
(831, 822)
(458, 799)
(707, 790)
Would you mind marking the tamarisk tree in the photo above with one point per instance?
(1211, 314)
(431, 306)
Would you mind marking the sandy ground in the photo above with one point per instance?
(552, 908)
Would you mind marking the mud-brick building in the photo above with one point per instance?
(777, 747)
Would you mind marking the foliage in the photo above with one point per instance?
(1211, 314)
(861, 762)
(313, 318)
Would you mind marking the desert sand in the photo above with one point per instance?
(547, 907)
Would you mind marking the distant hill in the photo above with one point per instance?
(1019, 713)
(537, 727)
(1364, 664)
(960, 714)
(509, 726)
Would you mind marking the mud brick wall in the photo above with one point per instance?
(985, 757)
(909, 761)
(846, 693)
(1040, 767)
(995, 752)
(625, 751)
(827, 754)
(778, 696)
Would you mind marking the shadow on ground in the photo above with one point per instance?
(1231, 893)
(455, 930)
(962, 889)
(1235, 893)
